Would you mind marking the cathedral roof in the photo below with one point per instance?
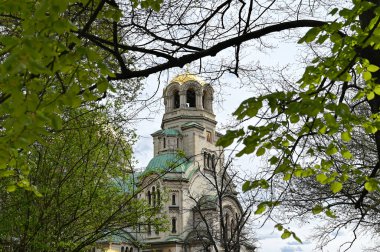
(183, 78)
(167, 132)
(192, 125)
(168, 162)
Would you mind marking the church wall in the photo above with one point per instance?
(196, 127)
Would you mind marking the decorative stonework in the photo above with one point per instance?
(191, 124)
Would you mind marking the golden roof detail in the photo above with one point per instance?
(183, 78)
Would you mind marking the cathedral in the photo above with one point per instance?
(189, 169)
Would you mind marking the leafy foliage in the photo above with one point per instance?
(44, 68)
(324, 134)
(86, 185)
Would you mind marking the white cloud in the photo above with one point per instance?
(291, 249)
(296, 243)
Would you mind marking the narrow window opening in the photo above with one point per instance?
(173, 200)
(213, 162)
(122, 249)
(131, 250)
(164, 142)
(174, 225)
(226, 225)
(204, 99)
(158, 196)
(176, 99)
(149, 229)
(154, 196)
(149, 198)
(190, 98)
(205, 159)
(208, 136)
(177, 142)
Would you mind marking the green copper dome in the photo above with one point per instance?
(168, 162)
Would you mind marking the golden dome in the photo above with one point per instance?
(183, 78)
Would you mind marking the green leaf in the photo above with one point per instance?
(367, 76)
(330, 213)
(331, 149)
(264, 184)
(246, 186)
(322, 130)
(321, 178)
(286, 234)
(372, 68)
(333, 11)
(7, 173)
(346, 136)
(336, 187)
(261, 208)
(56, 122)
(310, 35)
(273, 160)
(285, 143)
(377, 89)
(279, 226)
(294, 118)
(317, 209)
(287, 177)
(229, 137)
(260, 151)
(371, 185)
(346, 154)
(11, 188)
(296, 237)
(370, 96)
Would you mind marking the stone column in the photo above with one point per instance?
(168, 103)
(198, 99)
(182, 99)
(210, 100)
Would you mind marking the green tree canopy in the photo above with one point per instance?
(87, 187)
(322, 137)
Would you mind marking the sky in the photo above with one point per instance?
(269, 239)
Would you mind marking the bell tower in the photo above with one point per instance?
(189, 121)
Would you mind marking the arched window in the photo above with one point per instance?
(173, 200)
(213, 162)
(174, 225)
(122, 249)
(205, 159)
(209, 160)
(176, 99)
(131, 250)
(164, 142)
(158, 196)
(154, 196)
(149, 198)
(190, 98)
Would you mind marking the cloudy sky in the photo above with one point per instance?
(269, 239)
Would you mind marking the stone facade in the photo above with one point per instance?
(184, 149)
